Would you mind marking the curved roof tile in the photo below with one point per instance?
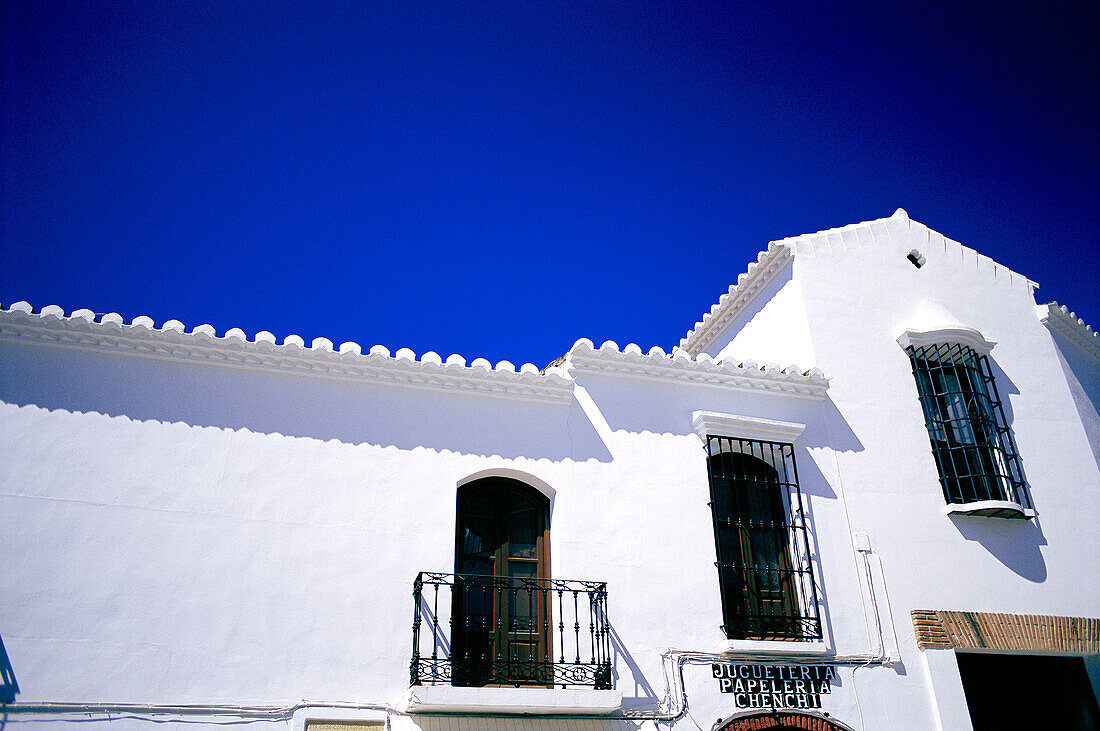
(680, 366)
(81, 330)
(1059, 319)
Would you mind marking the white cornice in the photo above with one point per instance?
(712, 423)
(583, 357)
(897, 230)
(82, 331)
(990, 508)
(958, 335)
(768, 264)
(1060, 320)
(933, 324)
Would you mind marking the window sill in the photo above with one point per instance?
(990, 509)
(778, 647)
(449, 699)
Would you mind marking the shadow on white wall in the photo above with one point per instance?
(296, 406)
(9, 686)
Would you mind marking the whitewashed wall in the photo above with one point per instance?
(198, 534)
(180, 533)
(859, 293)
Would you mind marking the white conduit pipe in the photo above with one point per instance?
(257, 712)
(675, 700)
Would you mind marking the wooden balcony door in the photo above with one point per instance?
(501, 630)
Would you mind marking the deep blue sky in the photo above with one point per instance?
(500, 179)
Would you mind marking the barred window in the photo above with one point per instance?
(764, 568)
(972, 444)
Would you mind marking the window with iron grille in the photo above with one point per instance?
(764, 568)
(972, 444)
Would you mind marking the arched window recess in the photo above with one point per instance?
(762, 547)
(972, 444)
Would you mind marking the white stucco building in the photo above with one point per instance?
(896, 527)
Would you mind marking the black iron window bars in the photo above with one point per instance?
(972, 444)
(764, 566)
(497, 630)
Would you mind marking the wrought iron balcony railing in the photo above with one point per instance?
(476, 630)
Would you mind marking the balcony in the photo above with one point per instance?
(476, 631)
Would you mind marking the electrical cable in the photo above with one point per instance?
(264, 712)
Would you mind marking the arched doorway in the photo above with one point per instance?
(771, 721)
(501, 633)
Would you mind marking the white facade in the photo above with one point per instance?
(201, 529)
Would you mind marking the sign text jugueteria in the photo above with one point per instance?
(774, 686)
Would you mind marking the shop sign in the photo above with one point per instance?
(774, 686)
